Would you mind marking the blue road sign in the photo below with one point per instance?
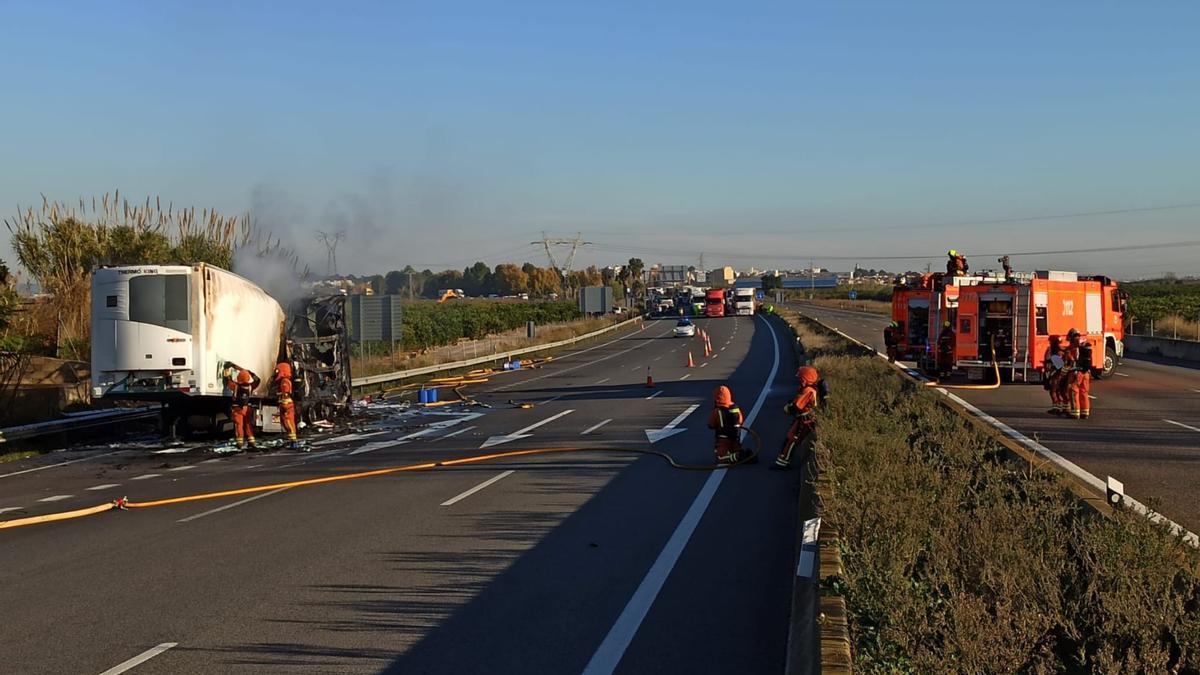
(853, 295)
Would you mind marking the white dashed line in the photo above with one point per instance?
(603, 381)
(150, 475)
(51, 466)
(1120, 374)
(139, 659)
(105, 486)
(219, 509)
(1181, 424)
(477, 488)
(55, 498)
(6, 509)
(455, 433)
(685, 377)
(594, 427)
(183, 468)
(654, 394)
(703, 364)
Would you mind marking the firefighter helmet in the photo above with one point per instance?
(244, 377)
(283, 371)
(945, 324)
(1072, 334)
(951, 252)
(808, 376)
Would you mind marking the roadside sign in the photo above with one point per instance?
(853, 295)
(760, 295)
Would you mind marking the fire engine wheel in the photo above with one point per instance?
(1110, 364)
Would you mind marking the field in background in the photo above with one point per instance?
(1165, 308)
(956, 560)
(381, 361)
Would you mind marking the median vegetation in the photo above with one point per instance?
(957, 560)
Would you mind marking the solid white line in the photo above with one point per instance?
(139, 659)
(685, 377)
(594, 427)
(460, 431)
(183, 468)
(654, 394)
(105, 486)
(56, 498)
(51, 466)
(219, 509)
(477, 488)
(150, 475)
(610, 651)
(682, 416)
(1181, 424)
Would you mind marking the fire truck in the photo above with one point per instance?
(1010, 318)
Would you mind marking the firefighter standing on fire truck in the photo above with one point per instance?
(287, 406)
(242, 383)
(1079, 374)
(956, 264)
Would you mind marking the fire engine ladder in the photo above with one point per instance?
(1020, 337)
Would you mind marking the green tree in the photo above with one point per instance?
(771, 283)
(394, 282)
(635, 283)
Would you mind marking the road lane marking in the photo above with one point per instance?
(654, 394)
(1181, 424)
(521, 433)
(555, 372)
(211, 461)
(1196, 390)
(594, 427)
(6, 509)
(657, 358)
(149, 475)
(372, 447)
(105, 486)
(183, 468)
(477, 488)
(1120, 374)
(51, 466)
(608, 655)
(603, 380)
(460, 431)
(219, 509)
(349, 437)
(703, 364)
(55, 498)
(685, 377)
(139, 659)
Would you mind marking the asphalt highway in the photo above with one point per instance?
(1144, 429)
(593, 561)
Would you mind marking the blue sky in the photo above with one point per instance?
(441, 132)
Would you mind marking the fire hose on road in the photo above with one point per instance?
(124, 503)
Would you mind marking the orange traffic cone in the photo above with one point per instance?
(649, 379)
(691, 363)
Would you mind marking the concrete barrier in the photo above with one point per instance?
(1184, 350)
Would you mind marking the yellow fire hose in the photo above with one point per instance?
(124, 503)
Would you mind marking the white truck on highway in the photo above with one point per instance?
(743, 302)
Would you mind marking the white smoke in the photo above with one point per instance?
(272, 272)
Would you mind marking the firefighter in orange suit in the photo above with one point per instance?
(242, 383)
(801, 408)
(1054, 377)
(891, 340)
(287, 406)
(1079, 373)
(956, 264)
(726, 421)
(945, 350)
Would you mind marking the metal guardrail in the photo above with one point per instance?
(457, 365)
(77, 421)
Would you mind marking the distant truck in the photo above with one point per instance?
(1010, 318)
(165, 333)
(714, 302)
(744, 302)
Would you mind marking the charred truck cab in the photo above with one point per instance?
(165, 333)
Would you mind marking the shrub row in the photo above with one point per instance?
(428, 324)
(957, 560)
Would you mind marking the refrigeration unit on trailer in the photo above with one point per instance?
(1011, 319)
(743, 301)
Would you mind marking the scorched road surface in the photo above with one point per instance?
(552, 563)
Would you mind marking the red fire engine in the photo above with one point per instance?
(1010, 318)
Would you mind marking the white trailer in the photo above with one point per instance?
(166, 332)
(743, 301)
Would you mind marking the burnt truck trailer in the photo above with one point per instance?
(165, 333)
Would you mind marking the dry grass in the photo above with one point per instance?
(467, 349)
(958, 561)
(1175, 327)
(869, 306)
